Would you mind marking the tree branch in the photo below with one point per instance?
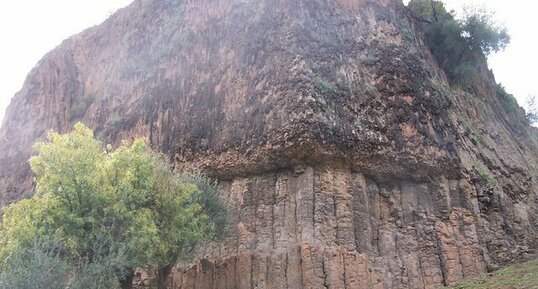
(416, 17)
(434, 11)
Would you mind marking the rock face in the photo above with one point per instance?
(345, 157)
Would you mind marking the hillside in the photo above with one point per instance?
(522, 275)
(345, 157)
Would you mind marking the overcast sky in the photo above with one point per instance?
(31, 28)
(515, 67)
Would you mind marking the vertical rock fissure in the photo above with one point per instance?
(461, 227)
(343, 256)
(296, 227)
(251, 256)
(315, 185)
(195, 277)
(267, 268)
(273, 223)
(238, 236)
(337, 231)
(398, 256)
(442, 260)
(326, 282)
(419, 256)
(286, 271)
(423, 273)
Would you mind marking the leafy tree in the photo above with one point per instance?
(532, 110)
(92, 203)
(482, 33)
(458, 45)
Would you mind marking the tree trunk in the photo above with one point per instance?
(127, 281)
(162, 274)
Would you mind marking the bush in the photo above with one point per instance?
(516, 114)
(508, 101)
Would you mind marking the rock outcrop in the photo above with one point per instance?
(345, 157)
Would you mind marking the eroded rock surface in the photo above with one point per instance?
(334, 228)
(345, 157)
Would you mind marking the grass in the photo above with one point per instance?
(325, 85)
(485, 176)
(519, 276)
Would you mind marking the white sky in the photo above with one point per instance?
(31, 28)
(515, 67)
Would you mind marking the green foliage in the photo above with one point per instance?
(124, 208)
(485, 176)
(481, 32)
(323, 85)
(458, 45)
(208, 197)
(508, 101)
(33, 268)
(522, 275)
(39, 267)
(532, 110)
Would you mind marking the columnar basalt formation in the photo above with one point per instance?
(345, 157)
(331, 227)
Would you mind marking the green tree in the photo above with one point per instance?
(458, 45)
(532, 110)
(481, 32)
(92, 202)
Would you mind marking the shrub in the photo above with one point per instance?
(485, 177)
(508, 101)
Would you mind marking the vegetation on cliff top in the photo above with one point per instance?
(458, 45)
(98, 213)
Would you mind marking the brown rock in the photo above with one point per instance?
(345, 158)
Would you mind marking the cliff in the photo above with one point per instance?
(345, 157)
